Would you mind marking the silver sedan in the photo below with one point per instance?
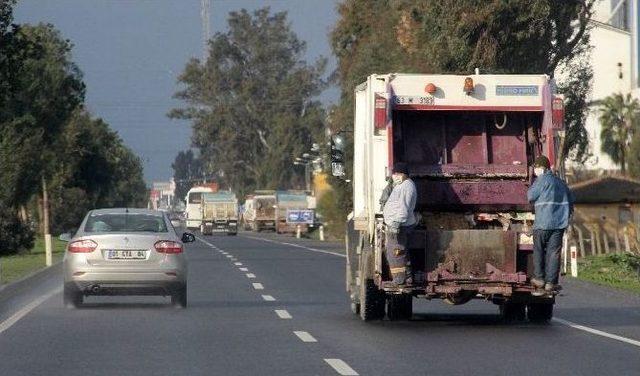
(125, 252)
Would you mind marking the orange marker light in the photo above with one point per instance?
(430, 88)
(468, 85)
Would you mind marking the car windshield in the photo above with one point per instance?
(125, 222)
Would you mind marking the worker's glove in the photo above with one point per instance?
(393, 228)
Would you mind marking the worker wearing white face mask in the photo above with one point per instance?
(400, 220)
(553, 202)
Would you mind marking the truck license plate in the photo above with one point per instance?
(406, 99)
(113, 254)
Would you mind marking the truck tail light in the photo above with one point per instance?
(380, 112)
(82, 246)
(168, 247)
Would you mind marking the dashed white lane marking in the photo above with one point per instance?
(258, 286)
(341, 367)
(305, 336)
(597, 332)
(268, 298)
(297, 246)
(283, 314)
(237, 263)
(251, 275)
(229, 256)
(8, 323)
(244, 269)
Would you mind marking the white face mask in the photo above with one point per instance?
(538, 171)
(397, 179)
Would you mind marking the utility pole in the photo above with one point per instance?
(45, 223)
(205, 7)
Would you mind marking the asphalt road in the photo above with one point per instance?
(272, 305)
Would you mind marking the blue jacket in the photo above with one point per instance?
(553, 202)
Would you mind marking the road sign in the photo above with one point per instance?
(306, 216)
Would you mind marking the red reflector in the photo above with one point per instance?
(82, 246)
(167, 246)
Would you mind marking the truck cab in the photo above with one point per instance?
(469, 142)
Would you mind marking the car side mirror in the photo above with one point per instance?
(66, 237)
(188, 237)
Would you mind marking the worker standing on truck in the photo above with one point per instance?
(553, 203)
(400, 220)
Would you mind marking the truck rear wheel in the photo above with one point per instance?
(540, 313)
(371, 301)
(399, 307)
(513, 312)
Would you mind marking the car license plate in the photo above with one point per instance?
(268, 223)
(134, 254)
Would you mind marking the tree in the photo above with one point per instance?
(252, 102)
(620, 120)
(187, 170)
(456, 36)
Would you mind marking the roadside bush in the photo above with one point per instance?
(15, 235)
(627, 261)
(332, 214)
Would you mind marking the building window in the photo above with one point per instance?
(620, 18)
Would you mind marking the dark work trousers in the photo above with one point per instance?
(546, 254)
(397, 253)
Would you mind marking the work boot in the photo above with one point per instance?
(537, 283)
(539, 292)
(550, 287)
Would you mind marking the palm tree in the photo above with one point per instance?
(620, 119)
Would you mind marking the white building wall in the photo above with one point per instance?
(613, 59)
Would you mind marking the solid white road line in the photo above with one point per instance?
(8, 323)
(597, 332)
(341, 367)
(268, 298)
(237, 263)
(258, 286)
(283, 314)
(244, 269)
(251, 275)
(297, 246)
(305, 336)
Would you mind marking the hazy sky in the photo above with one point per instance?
(131, 52)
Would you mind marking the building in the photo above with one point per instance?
(614, 59)
(162, 195)
(607, 214)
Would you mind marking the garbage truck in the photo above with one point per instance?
(469, 142)
(219, 213)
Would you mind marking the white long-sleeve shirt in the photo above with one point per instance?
(398, 211)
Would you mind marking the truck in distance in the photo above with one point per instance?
(219, 213)
(260, 211)
(469, 143)
(193, 211)
(288, 202)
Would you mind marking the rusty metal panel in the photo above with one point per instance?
(469, 252)
(460, 195)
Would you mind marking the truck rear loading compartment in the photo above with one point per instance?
(470, 155)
